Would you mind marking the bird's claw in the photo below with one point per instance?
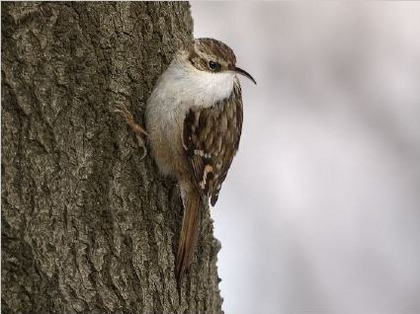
(137, 129)
(142, 145)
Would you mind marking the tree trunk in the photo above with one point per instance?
(87, 226)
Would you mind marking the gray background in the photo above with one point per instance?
(320, 212)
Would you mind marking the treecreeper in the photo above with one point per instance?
(194, 122)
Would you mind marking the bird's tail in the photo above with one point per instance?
(190, 231)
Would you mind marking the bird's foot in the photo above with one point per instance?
(140, 132)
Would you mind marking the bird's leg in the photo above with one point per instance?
(137, 129)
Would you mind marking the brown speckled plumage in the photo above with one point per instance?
(211, 139)
(194, 123)
(204, 49)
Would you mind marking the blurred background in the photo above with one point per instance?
(320, 212)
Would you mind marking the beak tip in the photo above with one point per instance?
(246, 74)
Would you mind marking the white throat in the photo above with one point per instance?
(203, 88)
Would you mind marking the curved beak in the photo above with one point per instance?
(244, 73)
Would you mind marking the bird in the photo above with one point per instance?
(194, 119)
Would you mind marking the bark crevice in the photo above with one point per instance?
(87, 226)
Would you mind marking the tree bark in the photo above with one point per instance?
(87, 226)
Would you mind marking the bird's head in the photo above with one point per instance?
(210, 55)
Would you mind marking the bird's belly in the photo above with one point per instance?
(165, 136)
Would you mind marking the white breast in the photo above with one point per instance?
(179, 88)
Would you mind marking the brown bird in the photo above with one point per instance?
(194, 123)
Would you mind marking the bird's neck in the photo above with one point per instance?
(202, 87)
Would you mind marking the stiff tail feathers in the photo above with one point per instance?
(190, 232)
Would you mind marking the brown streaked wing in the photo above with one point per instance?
(211, 139)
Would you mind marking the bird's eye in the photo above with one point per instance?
(213, 65)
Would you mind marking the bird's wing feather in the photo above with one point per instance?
(211, 138)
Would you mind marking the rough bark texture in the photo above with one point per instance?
(88, 227)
